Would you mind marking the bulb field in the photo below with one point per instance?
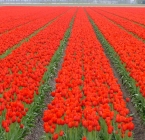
(72, 73)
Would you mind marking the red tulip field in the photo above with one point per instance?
(72, 73)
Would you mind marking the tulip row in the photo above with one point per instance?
(11, 38)
(16, 12)
(21, 99)
(127, 54)
(137, 14)
(128, 25)
(87, 103)
(12, 19)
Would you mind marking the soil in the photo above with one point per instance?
(37, 132)
(139, 131)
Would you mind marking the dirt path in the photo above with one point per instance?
(139, 131)
(37, 131)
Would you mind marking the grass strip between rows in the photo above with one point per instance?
(123, 28)
(129, 83)
(8, 51)
(135, 22)
(38, 104)
(51, 72)
(18, 26)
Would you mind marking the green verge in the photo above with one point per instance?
(123, 28)
(129, 83)
(135, 22)
(26, 39)
(9, 30)
(36, 107)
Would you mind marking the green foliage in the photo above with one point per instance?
(137, 98)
